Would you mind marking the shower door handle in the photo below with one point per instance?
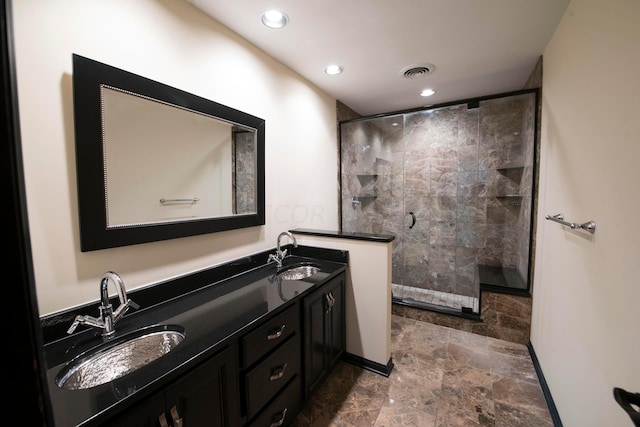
(413, 220)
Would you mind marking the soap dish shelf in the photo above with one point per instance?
(357, 200)
(515, 198)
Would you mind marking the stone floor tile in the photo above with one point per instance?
(442, 377)
(401, 416)
(511, 416)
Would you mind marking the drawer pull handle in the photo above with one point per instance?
(278, 420)
(177, 420)
(277, 373)
(276, 333)
(162, 420)
(330, 301)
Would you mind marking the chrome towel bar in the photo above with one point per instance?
(192, 200)
(589, 226)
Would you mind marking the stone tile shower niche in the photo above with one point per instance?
(454, 184)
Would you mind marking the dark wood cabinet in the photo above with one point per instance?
(324, 332)
(266, 379)
(270, 369)
(262, 377)
(271, 333)
(144, 414)
(282, 410)
(206, 396)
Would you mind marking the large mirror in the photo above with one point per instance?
(154, 162)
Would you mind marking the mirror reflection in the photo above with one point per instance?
(192, 166)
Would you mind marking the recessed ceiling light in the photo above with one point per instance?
(274, 19)
(334, 69)
(427, 92)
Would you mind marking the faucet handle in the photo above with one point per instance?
(123, 308)
(84, 320)
(75, 324)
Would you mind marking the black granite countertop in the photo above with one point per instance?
(212, 315)
(371, 237)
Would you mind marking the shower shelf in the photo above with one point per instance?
(515, 198)
(359, 200)
(509, 168)
(367, 179)
(514, 173)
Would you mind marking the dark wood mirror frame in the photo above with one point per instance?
(88, 76)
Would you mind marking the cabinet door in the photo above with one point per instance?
(314, 351)
(335, 326)
(144, 414)
(324, 332)
(206, 396)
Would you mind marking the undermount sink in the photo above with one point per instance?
(119, 357)
(298, 273)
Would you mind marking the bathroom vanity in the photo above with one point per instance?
(256, 346)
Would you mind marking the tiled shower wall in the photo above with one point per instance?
(506, 157)
(244, 174)
(445, 166)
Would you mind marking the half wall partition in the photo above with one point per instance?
(454, 184)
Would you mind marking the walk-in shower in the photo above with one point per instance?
(454, 184)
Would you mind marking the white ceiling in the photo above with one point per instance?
(478, 47)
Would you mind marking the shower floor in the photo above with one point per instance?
(444, 299)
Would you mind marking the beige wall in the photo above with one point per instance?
(586, 294)
(174, 43)
(367, 295)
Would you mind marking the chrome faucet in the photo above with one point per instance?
(108, 317)
(278, 257)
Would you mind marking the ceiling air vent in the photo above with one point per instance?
(415, 71)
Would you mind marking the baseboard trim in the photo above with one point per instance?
(553, 411)
(369, 365)
(437, 309)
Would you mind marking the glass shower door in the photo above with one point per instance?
(441, 185)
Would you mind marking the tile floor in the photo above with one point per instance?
(442, 377)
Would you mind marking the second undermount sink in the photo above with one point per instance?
(119, 357)
(298, 273)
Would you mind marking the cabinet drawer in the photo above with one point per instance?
(264, 381)
(273, 332)
(283, 409)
